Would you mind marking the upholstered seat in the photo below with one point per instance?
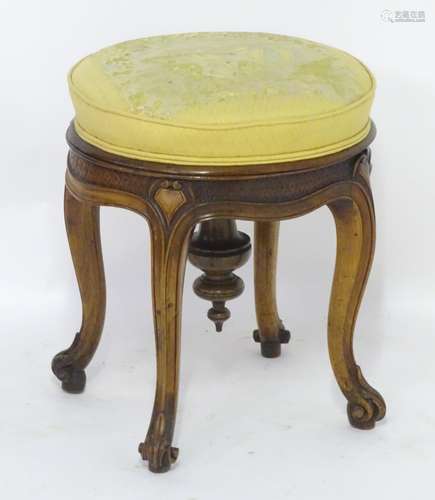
(221, 99)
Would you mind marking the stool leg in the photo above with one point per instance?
(271, 332)
(169, 254)
(83, 229)
(355, 223)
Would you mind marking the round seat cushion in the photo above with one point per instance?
(221, 99)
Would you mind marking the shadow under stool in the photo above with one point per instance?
(195, 131)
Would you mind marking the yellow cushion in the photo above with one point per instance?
(221, 99)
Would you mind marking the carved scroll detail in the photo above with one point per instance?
(363, 166)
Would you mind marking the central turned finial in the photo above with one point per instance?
(218, 248)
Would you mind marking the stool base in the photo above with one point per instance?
(174, 200)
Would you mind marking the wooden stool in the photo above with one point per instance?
(204, 129)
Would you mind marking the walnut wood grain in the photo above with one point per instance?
(169, 254)
(271, 332)
(218, 249)
(355, 223)
(83, 228)
(173, 199)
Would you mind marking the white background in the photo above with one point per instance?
(247, 427)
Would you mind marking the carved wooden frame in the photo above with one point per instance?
(173, 199)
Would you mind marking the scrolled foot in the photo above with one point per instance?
(160, 456)
(272, 348)
(73, 378)
(368, 408)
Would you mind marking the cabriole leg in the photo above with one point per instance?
(271, 332)
(355, 225)
(169, 254)
(83, 229)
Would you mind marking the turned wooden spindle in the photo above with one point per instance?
(218, 248)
